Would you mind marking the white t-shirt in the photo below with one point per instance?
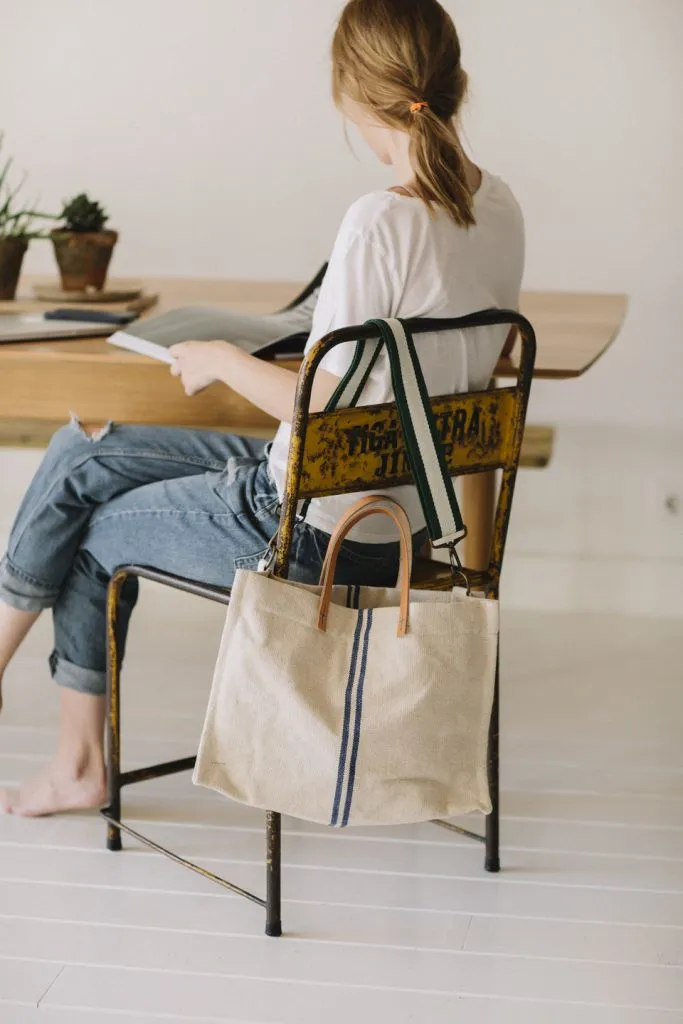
(395, 258)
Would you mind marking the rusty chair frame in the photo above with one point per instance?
(355, 449)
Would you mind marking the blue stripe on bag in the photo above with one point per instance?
(357, 724)
(347, 721)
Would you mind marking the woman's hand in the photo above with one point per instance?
(198, 363)
(268, 386)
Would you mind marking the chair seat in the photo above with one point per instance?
(431, 574)
(428, 574)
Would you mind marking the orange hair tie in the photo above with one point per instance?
(415, 108)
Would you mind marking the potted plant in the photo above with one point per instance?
(82, 247)
(16, 230)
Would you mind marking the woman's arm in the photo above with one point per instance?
(265, 384)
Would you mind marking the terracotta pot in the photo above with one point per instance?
(83, 258)
(11, 256)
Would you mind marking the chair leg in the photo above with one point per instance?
(273, 874)
(492, 862)
(113, 713)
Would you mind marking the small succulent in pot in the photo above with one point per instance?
(84, 215)
(17, 228)
(83, 247)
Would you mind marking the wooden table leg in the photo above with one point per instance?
(479, 501)
(479, 506)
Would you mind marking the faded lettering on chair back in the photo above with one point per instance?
(346, 449)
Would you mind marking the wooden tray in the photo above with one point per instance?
(142, 304)
(114, 291)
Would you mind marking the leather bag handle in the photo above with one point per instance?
(364, 507)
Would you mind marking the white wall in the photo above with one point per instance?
(208, 130)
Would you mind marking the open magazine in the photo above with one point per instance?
(272, 336)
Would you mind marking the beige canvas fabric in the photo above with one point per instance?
(352, 725)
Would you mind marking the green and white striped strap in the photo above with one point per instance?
(350, 387)
(424, 450)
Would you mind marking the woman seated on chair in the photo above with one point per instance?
(445, 241)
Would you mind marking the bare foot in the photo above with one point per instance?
(56, 790)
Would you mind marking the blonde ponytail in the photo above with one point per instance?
(401, 60)
(439, 164)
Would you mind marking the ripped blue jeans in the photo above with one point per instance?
(194, 503)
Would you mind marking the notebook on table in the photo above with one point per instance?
(35, 327)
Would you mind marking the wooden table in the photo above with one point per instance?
(40, 383)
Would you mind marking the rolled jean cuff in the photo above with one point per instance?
(23, 592)
(75, 677)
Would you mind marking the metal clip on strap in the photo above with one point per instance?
(457, 571)
(266, 562)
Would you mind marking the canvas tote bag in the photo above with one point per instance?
(358, 705)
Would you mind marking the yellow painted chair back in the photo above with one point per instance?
(362, 448)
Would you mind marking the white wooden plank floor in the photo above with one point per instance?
(585, 924)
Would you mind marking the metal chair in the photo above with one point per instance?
(357, 449)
